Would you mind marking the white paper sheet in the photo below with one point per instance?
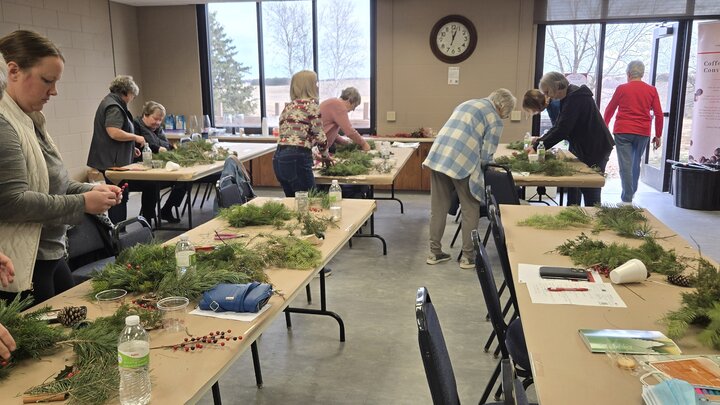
(233, 316)
(405, 144)
(599, 293)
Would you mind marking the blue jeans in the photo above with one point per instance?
(630, 150)
(293, 169)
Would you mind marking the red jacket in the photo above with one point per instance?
(634, 100)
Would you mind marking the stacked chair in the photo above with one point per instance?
(511, 340)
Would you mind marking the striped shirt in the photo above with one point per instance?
(468, 139)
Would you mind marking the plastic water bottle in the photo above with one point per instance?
(541, 152)
(184, 256)
(335, 194)
(147, 156)
(134, 361)
(527, 140)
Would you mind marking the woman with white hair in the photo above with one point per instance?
(38, 199)
(581, 124)
(114, 142)
(467, 140)
(633, 101)
(334, 113)
(300, 130)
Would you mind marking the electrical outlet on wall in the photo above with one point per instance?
(515, 115)
(391, 116)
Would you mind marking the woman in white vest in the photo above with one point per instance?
(37, 197)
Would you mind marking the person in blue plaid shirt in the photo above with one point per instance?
(468, 139)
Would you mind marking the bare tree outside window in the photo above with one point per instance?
(290, 28)
(341, 52)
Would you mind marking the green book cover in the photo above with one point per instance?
(628, 341)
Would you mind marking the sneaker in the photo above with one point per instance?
(466, 263)
(167, 215)
(439, 258)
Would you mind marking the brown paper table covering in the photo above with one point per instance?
(564, 369)
(374, 178)
(584, 177)
(138, 172)
(180, 377)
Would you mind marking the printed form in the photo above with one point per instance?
(596, 294)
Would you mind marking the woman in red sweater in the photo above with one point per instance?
(634, 100)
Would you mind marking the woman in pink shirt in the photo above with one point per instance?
(334, 114)
(633, 101)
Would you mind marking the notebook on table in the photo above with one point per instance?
(628, 341)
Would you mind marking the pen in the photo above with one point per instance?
(558, 289)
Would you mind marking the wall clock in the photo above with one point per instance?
(453, 39)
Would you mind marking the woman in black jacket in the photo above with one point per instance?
(582, 125)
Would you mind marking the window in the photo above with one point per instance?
(572, 50)
(248, 86)
(234, 64)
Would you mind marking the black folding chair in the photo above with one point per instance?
(438, 367)
(500, 180)
(510, 337)
(499, 236)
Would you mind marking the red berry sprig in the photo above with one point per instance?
(601, 269)
(212, 339)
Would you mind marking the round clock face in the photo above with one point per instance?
(453, 39)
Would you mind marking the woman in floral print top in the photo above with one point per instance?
(300, 130)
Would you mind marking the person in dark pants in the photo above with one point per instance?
(114, 142)
(300, 130)
(149, 127)
(37, 197)
(581, 124)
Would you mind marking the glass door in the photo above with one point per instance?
(661, 76)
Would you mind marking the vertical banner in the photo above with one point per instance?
(705, 140)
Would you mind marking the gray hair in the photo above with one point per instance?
(150, 107)
(554, 82)
(124, 85)
(3, 76)
(504, 102)
(351, 95)
(635, 69)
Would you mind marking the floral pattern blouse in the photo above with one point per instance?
(300, 125)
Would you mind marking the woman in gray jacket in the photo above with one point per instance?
(37, 197)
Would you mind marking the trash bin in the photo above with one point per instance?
(696, 188)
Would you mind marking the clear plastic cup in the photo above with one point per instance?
(109, 300)
(302, 202)
(174, 312)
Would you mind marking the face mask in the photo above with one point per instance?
(668, 392)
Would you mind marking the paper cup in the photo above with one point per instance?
(533, 157)
(172, 166)
(632, 271)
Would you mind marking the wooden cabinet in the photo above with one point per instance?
(262, 172)
(413, 177)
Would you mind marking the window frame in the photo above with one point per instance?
(206, 68)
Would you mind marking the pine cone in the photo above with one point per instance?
(680, 280)
(71, 316)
